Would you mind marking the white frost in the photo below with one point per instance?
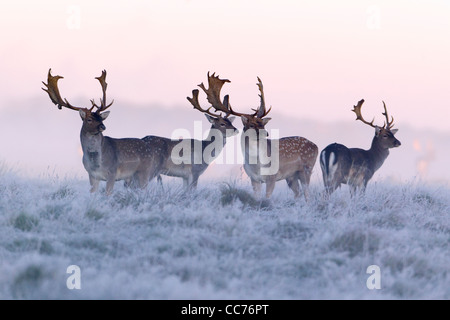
(163, 244)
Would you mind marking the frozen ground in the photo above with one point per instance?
(216, 244)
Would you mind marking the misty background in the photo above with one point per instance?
(39, 141)
(315, 58)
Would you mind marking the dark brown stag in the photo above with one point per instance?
(354, 166)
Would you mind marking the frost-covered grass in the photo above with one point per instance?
(218, 243)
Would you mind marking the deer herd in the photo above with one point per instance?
(137, 161)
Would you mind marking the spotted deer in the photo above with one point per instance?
(271, 160)
(354, 166)
(189, 158)
(104, 158)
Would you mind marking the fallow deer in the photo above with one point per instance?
(354, 166)
(270, 160)
(189, 158)
(106, 158)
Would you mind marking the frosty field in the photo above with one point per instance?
(216, 243)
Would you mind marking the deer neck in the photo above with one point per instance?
(212, 135)
(251, 148)
(212, 138)
(378, 153)
(91, 143)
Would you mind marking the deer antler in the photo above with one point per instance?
(103, 106)
(261, 112)
(357, 110)
(215, 84)
(238, 114)
(196, 104)
(53, 92)
(213, 96)
(388, 124)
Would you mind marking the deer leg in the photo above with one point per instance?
(187, 182)
(110, 180)
(357, 181)
(131, 182)
(270, 186)
(305, 177)
(143, 178)
(94, 183)
(326, 183)
(331, 184)
(353, 189)
(355, 184)
(193, 179)
(294, 186)
(194, 183)
(364, 184)
(151, 173)
(256, 188)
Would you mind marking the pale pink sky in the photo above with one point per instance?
(316, 58)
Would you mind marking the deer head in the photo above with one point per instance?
(385, 134)
(256, 120)
(220, 120)
(92, 120)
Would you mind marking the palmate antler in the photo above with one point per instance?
(103, 106)
(196, 104)
(215, 85)
(53, 92)
(387, 125)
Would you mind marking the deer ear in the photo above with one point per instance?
(210, 119)
(104, 115)
(266, 120)
(377, 130)
(244, 120)
(394, 131)
(82, 114)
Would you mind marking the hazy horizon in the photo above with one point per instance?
(315, 58)
(57, 148)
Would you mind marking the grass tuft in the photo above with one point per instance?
(231, 194)
(25, 222)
